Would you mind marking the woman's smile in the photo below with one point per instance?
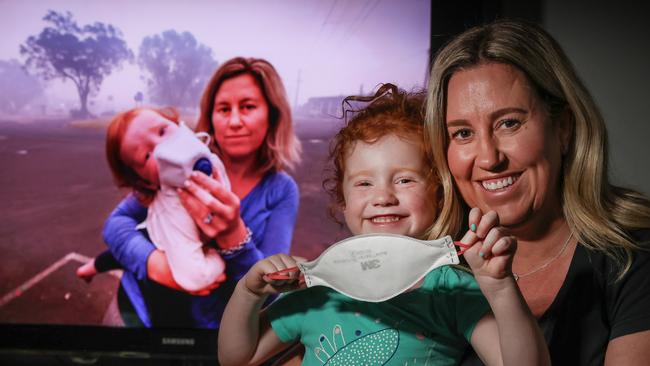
(499, 184)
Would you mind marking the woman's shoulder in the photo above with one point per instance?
(281, 179)
(608, 266)
(280, 184)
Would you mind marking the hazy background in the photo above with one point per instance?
(56, 189)
(320, 48)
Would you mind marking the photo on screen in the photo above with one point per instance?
(56, 185)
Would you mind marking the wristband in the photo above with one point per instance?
(240, 246)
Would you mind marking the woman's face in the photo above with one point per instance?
(240, 117)
(504, 152)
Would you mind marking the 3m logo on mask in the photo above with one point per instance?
(377, 267)
(373, 264)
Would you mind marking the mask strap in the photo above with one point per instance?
(463, 247)
(285, 274)
(203, 135)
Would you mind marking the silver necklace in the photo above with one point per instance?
(566, 243)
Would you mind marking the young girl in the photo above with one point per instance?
(132, 138)
(384, 183)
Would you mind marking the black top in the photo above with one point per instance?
(593, 308)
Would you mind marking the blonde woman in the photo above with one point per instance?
(512, 129)
(244, 107)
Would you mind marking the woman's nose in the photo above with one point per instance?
(489, 155)
(384, 197)
(234, 120)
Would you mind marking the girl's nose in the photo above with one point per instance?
(384, 197)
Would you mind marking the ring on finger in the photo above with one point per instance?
(208, 218)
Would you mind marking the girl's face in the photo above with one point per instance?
(504, 151)
(144, 133)
(386, 190)
(240, 118)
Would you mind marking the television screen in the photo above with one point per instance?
(56, 186)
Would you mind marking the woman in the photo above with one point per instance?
(245, 109)
(512, 129)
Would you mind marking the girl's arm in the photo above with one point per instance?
(132, 248)
(509, 335)
(245, 335)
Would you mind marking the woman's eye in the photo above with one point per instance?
(362, 184)
(249, 107)
(147, 156)
(461, 134)
(162, 131)
(510, 123)
(223, 110)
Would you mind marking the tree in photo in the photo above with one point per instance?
(85, 55)
(176, 67)
(18, 88)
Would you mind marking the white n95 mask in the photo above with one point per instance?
(183, 152)
(377, 267)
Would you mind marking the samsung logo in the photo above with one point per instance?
(178, 341)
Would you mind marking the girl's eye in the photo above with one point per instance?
(162, 131)
(147, 156)
(461, 134)
(362, 184)
(223, 110)
(405, 181)
(250, 107)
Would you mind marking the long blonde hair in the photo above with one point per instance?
(599, 214)
(281, 149)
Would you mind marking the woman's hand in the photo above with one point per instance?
(492, 250)
(258, 283)
(214, 208)
(158, 270)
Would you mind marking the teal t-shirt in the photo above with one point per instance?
(430, 325)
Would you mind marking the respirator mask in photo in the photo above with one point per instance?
(182, 152)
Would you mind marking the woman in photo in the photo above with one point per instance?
(245, 109)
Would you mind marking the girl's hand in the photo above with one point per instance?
(492, 250)
(258, 283)
(214, 208)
